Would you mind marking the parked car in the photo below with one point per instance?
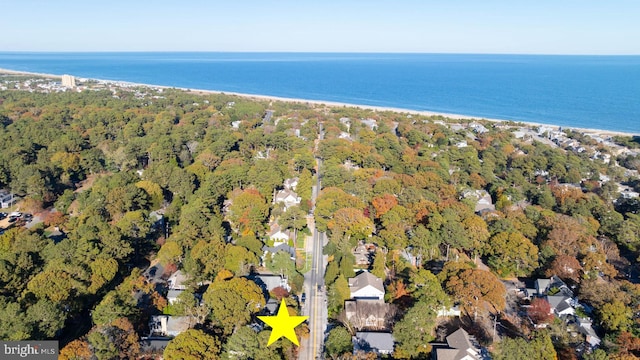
(3, 215)
(303, 297)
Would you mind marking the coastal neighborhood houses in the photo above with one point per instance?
(146, 223)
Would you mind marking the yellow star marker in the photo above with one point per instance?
(283, 324)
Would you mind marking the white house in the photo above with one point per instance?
(291, 184)
(288, 197)
(177, 281)
(169, 326)
(561, 305)
(590, 335)
(366, 286)
(278, 235)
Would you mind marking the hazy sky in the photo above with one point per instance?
(458, 26)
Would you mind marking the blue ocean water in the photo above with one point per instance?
(601, 92)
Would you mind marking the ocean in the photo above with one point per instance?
(599, 92)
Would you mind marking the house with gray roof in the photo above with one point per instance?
(366, 286)
(363, 253)
(287, 197)
(483, 200)
(377, 342)
(178, 281)
(372, 315)
(170, 326)
(460, 346)
(561, 305)
(268, 282)
(559, 287)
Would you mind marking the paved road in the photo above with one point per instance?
(315, 306)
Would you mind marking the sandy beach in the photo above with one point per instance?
(450, 116)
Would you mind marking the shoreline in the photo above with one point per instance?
(449, 116)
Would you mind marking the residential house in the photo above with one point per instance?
(553, 284)
(278, 235)
(449, 312)
(460, 346)
(268, 282)
(462, 144)
(7, 199)
(412, 259)
(370, 123)
(271, 306)
(585, 328)
(377, 342)
(483, 198)
(478, 128)
(291, 184)
(371, 315)
(169, 326)
(366, 286)
(560, 305)
(518, 134)
(272, 250)
(178, 281)
(363, 253)
(172, 295)
(153, 345)
(287, 197)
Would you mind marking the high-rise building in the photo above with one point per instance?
(68, 81)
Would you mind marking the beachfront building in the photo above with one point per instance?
(68, 81)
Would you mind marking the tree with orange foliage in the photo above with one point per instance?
(566, 267)
(476, 289)
(76, 350)
(115, 339)
(383, 203)
(55, 218)
(569, 237)
(350, 222)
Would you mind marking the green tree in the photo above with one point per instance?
(512, 253)
(193, 345)
(47, 319)
(615, 316)
(330, 200)
(248, 212)
(415, 330)
(242, 344)
(338, 342)
(293, 219)
(238, 259)
(337, 294)
(349, 222)
(102, 272)
(15, 325)
(169, 253)
(379, 265)
(540, 348)
(304, 185)
(233, 301)
(281, 263)
(116, 339)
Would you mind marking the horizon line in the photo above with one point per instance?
(307, 52)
